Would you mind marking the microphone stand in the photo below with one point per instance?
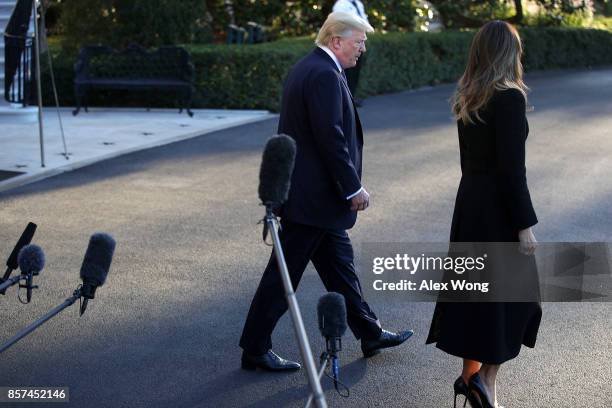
(8, 283)
(329, 358)
(324, 362)
(7, 274)
(38, 84)
(24, 332)
(271, 223)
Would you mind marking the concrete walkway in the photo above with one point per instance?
(99, 135)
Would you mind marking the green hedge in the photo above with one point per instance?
(250, 77)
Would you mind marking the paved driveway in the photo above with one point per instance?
(163, 331)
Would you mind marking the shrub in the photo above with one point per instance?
(251, 77)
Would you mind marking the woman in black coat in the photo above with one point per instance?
(492, 205)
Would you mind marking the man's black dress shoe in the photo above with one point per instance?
(269, 361)
(386, 339)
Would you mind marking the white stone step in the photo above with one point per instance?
(14, 114)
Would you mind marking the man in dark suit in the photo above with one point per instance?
(326, 193)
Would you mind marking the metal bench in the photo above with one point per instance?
(167, 69)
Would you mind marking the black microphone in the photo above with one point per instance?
(31, 261)
(12, 262)
(331, 311)
(275, 172)
(96, 264)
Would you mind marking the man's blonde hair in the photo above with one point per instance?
(340, 24)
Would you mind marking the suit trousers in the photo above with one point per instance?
(331, 253)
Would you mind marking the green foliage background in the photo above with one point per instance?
(159, 22)
(251, 77)
(118, 22)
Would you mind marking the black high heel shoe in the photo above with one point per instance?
(477, 393)
(460, 388)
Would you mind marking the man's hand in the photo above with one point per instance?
(361, 201)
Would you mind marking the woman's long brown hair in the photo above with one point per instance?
(494, 63)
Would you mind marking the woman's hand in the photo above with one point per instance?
(528, 241)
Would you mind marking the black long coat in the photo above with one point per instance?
(492, 205)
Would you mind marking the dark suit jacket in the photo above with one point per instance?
(318, 112)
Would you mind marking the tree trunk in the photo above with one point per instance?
(518, 17)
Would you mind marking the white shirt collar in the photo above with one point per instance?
(332, 55)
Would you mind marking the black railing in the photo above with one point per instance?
(19, 73)
(19, 55)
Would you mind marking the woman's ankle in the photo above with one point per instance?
(470, 367)
(467, 375)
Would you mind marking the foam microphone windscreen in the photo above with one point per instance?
(31, 259)
(276, 168)
(26, 237)
(331, 311)
(98, 259)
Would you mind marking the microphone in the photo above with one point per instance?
(94, 270)
(31, 261)
(96, 264)
(25, 239)
(331, 311)
(275, 172)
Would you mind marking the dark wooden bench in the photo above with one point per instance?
(167, 69)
